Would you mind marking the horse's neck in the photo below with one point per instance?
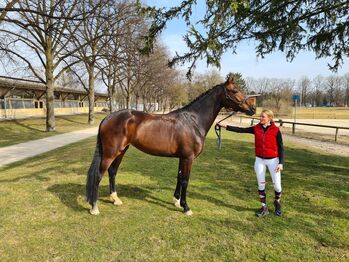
(205, 110)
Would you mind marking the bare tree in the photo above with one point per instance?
(37, 40)
(203, 82)
(279, 94)
(109, 64)
(120, 57)
(346, 89)
(176, 96)
(154, 78)
(318, 84)
(304, 87)
(8, 7)
(87, 39)
(258, 86)
(332, 88)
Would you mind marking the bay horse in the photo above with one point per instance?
(180, 133)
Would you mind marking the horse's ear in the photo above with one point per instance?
(230, 79)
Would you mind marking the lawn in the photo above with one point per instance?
(22, 130)
(44, 216)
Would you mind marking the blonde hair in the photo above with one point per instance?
(269, 113)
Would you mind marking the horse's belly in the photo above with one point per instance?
(157, 142)
(155, 148)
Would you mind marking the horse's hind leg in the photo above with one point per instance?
(105, 163)
(109, 155)
(113, 169)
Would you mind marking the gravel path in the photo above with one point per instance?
(326, 147)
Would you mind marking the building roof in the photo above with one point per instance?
(24, 84)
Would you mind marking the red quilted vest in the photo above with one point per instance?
(265, 142)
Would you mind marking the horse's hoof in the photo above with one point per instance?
(114, 198)
(177, 202)
(188, 213)
(94, 211)
(117, 202)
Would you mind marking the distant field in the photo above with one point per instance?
(318, 113)
(315, 113)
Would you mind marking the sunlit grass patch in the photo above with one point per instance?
(23, 130)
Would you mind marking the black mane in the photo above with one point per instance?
(197, 98)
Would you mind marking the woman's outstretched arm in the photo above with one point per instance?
(236, 129)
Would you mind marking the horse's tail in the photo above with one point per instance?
(94, 174)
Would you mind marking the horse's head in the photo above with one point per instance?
(234, 99)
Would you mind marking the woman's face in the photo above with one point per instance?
(264, 119)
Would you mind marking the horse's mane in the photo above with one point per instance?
(197, 98)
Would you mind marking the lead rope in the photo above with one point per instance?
(218, 131)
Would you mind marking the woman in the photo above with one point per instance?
(269, 153)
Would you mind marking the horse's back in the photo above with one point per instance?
(114, 125)
(156, 134)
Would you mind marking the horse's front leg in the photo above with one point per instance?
(184, 181)
(177, 193)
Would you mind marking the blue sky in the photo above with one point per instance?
(245, 60)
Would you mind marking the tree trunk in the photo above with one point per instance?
(111, 96)
(50, 113)
(91, 96)
(145, 108)
(137, 97)
(128, 102)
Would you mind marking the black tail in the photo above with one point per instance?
(94, 175)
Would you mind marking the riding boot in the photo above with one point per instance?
(277, 204)
(263, 211)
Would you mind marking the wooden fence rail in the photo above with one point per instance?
(281, 122)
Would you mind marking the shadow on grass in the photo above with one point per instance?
(84, 121)
(69, 194)
(17, 122)
(69, 119)
(40, 176)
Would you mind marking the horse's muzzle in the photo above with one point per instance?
(252, 111)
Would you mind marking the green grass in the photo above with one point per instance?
(22, 130)
(44, 216)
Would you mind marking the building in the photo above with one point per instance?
(21, 98)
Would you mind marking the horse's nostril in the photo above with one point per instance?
(253, 110)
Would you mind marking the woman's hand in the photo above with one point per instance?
(280, 167)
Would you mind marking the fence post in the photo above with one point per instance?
(335, 139)
(293, 128)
